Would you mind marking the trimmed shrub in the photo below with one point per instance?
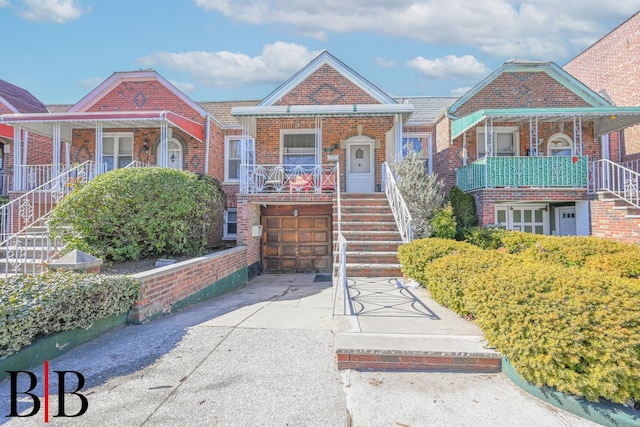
(464, 210)
(129, 214)
(575, 330)
(485, 238)
(619, 264)
(32, 306)
(443, 223)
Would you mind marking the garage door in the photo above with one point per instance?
(296, 244)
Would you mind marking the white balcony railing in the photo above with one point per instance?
(290, 179)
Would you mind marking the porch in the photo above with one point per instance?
(537, 172)
(289, 179)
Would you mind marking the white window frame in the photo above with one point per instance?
(317, 149)
(177, 151)
(116, 146)
(563, 137)
(424, 156)
(225, 231)
(510, 224)
(248, 146)
(514, 130)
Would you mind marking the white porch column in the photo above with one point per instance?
(55, 164)
(17, 157)
(163, 155)
(67, 155)
(98, 153)
(398, 135)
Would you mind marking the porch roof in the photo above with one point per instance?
(41, 123)
(248, 115)
(606, 119)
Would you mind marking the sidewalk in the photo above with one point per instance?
(264, 356)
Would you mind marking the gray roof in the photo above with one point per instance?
(426, 108)
(59, 108)
(20, 99)
(221, 110)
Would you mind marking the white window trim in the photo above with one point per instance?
(425, 156)
(310, 131)
(515, 130)
(116, 148)
(225, 234)
(508, 208)
(562, 136)
(227, 143)
(180, 149)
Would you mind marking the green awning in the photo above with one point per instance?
(606, 119)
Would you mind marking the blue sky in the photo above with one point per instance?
(217, 50)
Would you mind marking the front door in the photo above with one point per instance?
(296, 244)
(567, 221)
(360, 169)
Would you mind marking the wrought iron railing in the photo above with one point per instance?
(634, 165)
(340, 260)
(288, 178)
(398, 205)
(6, 183)
(23, 245)
(615, 179)
(539, 172)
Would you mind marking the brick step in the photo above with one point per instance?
(368, 226)
(372, 257)
(352, 196)
(365, 216)
(373, 270)
(365, 209)
(371, 235)
(374, 246)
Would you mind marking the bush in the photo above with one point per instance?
(443, 223)
(464, 210)
(575, 330)
(423, 193)
(129, 214)
(31, 306)
(485, 238)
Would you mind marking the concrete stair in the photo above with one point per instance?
(629, 210)
(372, 235)
(26, 251)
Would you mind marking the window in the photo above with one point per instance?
(299, 148)
(234, 156)
(230, 224)
(560, 145)
(506, 141)
(418, 143)
(175, 154)
(532, 218)
(117, 149)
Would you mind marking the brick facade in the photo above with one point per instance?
(611, 219)
(610, 66)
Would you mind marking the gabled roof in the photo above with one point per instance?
(220, 111)
(526, 66)
(19, 100)
(426, 108)
(116, 78)
(325, 58)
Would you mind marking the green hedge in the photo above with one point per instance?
(565, 311)
(33, 306)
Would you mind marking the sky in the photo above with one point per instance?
(220, 50)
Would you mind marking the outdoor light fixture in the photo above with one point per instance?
(145, 144)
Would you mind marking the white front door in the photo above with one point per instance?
(567, 221)
(360, 168)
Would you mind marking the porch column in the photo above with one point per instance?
(163, 155)
(17, 157)
(398, 135)
(98, 153)
(55, 164)
(67, 155)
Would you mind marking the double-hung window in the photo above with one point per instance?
(237, 152)
(299, 148)
(506, 142)
(230, 224)
(117, 149)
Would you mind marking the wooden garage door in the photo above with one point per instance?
(300, 244)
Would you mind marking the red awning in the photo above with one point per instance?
(6, 131)
(41, 123)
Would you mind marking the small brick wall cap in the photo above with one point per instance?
(76, 260)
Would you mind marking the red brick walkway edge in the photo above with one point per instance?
(399, 362)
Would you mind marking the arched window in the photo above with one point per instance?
(175, 154)
(560, 145)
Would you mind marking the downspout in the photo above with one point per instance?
(206, 145)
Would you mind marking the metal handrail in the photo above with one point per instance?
(398, 205)
(341, 254)
(616, 180)
(19, 217)
(287, 178)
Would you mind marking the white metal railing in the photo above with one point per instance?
(6, 183)
(23, 245)
(398, 205)
(137, 164)
(615, 179)
(341, 261)
(634, 165)
(288, 178)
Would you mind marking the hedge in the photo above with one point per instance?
(34, 306)
(562, 318)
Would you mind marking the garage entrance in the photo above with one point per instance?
(297, 239)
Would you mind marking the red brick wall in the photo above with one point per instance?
(326, 86)
(610, 223)
(612, 64)
(164, 287)
(486, 199)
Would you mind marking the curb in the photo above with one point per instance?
(603, 412)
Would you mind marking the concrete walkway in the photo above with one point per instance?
(264, 356)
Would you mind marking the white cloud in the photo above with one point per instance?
(276, 62)
(4, 3)
(450, 67)
(534, 29)
(460, 91)
(385, 63)
(57, 11)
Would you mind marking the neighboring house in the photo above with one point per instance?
(521, 141)
(14, 99)
(611, 67)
